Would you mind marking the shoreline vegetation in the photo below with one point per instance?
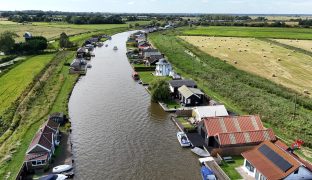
(49, 92)
(274, 103)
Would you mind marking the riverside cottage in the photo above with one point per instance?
(163, 68)
(190, 96)
(151, 58)
(174, 85)
(42, 147)
(275, 161)
(233, 135)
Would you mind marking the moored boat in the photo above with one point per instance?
(183, 140)
(62, 168)
(135, 76)
(54, 177)
(115, 48)
(207, 174)
(200, 152)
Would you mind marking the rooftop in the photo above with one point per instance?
(179, 83)
(188, 92)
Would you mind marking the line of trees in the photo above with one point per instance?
(32, 45)
(115, 19)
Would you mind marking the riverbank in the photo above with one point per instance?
(55, 86)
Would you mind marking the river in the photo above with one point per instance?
(117, 132)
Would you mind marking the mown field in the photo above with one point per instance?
(303, 44)
(283, 66)
(257, 32)
(241, 92)
(17, 80)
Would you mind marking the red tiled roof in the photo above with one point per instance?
(217, 125)
(246, 137)
(265, 166)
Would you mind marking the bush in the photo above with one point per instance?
(160, 90)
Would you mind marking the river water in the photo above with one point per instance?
(117, 132)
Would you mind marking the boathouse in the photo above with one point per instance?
(274, 161)
(201, 112)
(174, 85)
(233, 135)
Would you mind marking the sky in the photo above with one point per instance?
(165, 6)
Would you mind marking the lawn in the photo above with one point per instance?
(147, 77)
(243, 92)
(186, 124)
(16, 81)
(283, 66)
(256, 32)
(171, 104)
(229, 168)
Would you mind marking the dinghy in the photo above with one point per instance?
(200, 152)
(115, 48)
(62, 168)
(183, 140)
(54, 177)
(207, 174)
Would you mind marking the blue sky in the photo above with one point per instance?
(165, 6)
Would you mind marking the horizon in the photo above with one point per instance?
(278, 7)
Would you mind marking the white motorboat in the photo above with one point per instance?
(62, 168)
(115, 48)
(54, 177)
(183, 140)
(89, 66)
(106, 45)
(200, 152)
(99, 44)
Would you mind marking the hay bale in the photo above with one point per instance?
(294, 51)
(224, 61)
(235, 62)
(229, 48)
(245, 50)
(219, 46)
(306, 91)
(288, 55)
(264, 55)
(273, 75)
(246, 45)
(240, 51)
(262, 50)
(279, 59)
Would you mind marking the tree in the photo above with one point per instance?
(130, 26)
(7, 41)
(64, 41)
(160, 90)
(136, 24)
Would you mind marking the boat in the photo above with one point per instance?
(106, 45)
(200, 152)
(207, 174)
(89, 66)
(62, 168)
(115, 48)
(183, 140)
(135, 76)
(99, 44)
(54, 177)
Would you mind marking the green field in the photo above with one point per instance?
(16, 81)
(241, 92)
(256, 32)
(229, 168)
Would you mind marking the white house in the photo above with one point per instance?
(163, 68)
(209, 111)
(274, 161)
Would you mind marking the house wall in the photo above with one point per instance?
(231, 151)
(303, 173)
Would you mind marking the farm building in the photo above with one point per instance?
(42, 146)
(174, 85)
(273, 161)
(190, 96)
(233, 135)
(163, 68)
(201, 112)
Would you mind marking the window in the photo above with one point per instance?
(249, 166)
(296, 172)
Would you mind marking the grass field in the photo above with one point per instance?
(246, 93)
(258, 32)
(278, 64)
(53, 30)
(303, 44)
(229, 168)
(15, 81)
